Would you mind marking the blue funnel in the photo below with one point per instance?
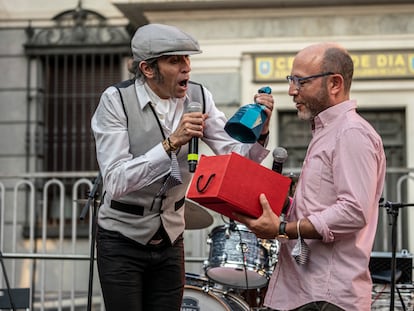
(247, 123)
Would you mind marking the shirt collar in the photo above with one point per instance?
(143, 97)
(328, 116)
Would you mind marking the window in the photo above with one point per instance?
(73, 85)
(70, 65)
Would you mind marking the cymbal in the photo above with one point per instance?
(196, 216)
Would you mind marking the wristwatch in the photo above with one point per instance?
(282, 236)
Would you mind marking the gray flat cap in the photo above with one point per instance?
(155, 40)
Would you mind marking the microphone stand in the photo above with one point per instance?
(92, 197)
(392, 210)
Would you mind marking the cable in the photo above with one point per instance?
(243, 252)
(378, 295)
(233, 227)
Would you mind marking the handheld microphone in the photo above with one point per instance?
(192, 157)
(279, 157)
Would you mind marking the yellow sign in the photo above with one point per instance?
(367, 65)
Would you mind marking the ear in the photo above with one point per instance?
(336, 84)
(146, 70)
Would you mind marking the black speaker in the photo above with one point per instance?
(20, 298)
(380, 267)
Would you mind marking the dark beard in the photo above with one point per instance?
(319, 102)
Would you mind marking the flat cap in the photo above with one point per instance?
(155, 40)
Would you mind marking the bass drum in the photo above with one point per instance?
(198, 299)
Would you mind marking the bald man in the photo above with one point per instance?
(334, 211)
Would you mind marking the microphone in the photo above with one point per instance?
(192, 157)
(279, 157)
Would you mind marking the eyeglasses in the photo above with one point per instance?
(299, 81)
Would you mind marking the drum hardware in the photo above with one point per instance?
(294, 178)
(237, 272)
(201, 294)
(393, 211)
(195, 299)
(242, 247)
(239, 260)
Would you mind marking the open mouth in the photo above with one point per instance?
(183, 82)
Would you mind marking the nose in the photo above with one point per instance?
(293, 89)
(185, 64)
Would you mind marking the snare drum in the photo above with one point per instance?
(198, 299)
(237, 258)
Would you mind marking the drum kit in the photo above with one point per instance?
(237, 270)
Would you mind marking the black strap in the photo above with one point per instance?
(128, 208)
(179, 203)
(139, 210)
(158, 120)
(124, 84)
(203, 99)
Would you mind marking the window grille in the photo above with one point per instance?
(70, 65)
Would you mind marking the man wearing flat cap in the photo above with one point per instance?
(142, 128)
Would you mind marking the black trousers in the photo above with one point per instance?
(137, 277)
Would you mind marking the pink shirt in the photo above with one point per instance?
(338, 191)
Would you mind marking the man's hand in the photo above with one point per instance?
(191, 125)
(266, 226)
(267, 101)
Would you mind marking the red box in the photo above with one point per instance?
(232, 183)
